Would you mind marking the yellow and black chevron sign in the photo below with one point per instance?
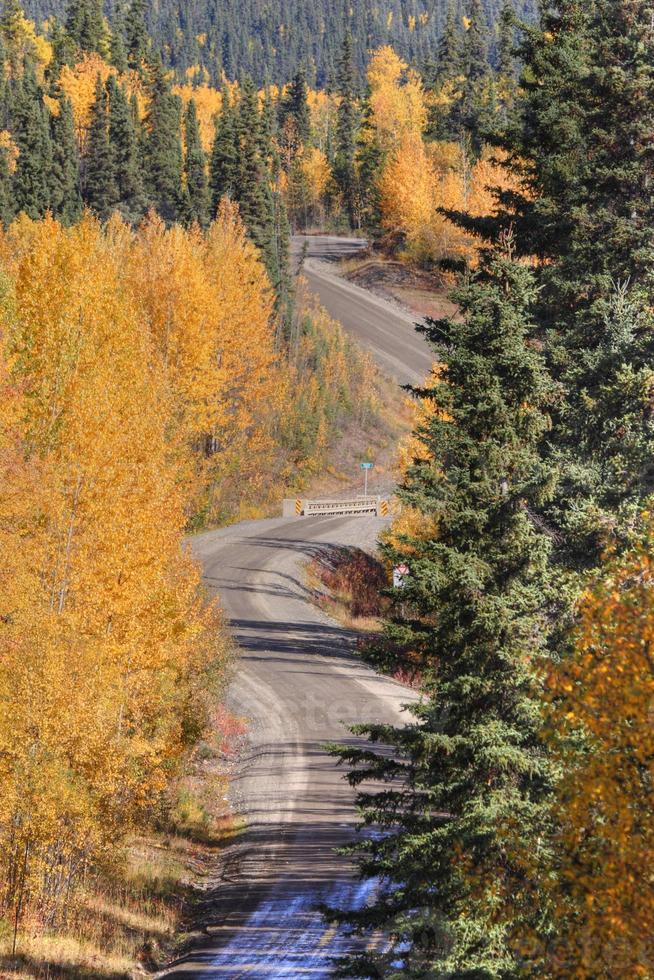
(383, 508)
(298, 506)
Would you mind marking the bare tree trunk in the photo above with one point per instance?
(20, 897)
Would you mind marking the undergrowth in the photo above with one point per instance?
(348, 584)
(124, 919)
(351, 585)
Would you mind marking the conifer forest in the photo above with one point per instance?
(249, 251)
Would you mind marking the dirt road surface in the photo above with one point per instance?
(386, 330)
(299, 684)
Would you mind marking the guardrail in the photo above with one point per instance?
(354, 507)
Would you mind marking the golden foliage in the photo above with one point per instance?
(105, 639)
(397, 99)
(78, 83)
(23, 43)
(407, 191)
(602, 888)
(9, 148)
(317, 173)
(209, 308)
(208, 101)
(322, 111)
(139, 382)
(419, 179)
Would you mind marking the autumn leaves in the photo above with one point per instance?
(420, 179)
(136, 370)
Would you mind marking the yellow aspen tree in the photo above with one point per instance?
(106, 685)
(600, 881)
(317, 177)
(209, 309)
(253, 388)
(397, 98)
(323, 113)
(208, 101)
(407, 197)
(78, 83)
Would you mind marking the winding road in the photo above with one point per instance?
(387, 331)
(299, 685)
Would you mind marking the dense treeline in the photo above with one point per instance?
(79, 133)
(516, 810)
(155, 376)
(90, 119)
(108, 650)
(141, 390)
(271, 42)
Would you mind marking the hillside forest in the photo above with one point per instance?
(162, 372)
(272, 41)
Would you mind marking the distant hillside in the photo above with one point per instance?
(269, 39)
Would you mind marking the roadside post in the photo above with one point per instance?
(400, 575)
(366, 467)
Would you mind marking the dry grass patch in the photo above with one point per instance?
(125, 920)
(116, 924)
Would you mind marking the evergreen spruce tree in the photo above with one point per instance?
(11, 21)
(507, 64)
(64, 50)
(118, 50)
(506, 60)
(6, 198)
(450, 47)
(476, 43)
(589, 218)
(477, 71)
(224, 153)
(346, 130)
(369, 163)
(252, 185)
(65, 192)
(474, 607)
(6, 98)
(31, 132)
(136, 35)
(196, 190)
(125, 152)
(296, 106)
(100, 190)
(598, 295)
(164, 147)
(6, 203)
(85, 24)
(279, 264)
(269, 120)
(445, 117)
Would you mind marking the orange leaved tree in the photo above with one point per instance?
(104, 636)
(600, 879)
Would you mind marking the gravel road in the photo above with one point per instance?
(385, 330)
(299, 684)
